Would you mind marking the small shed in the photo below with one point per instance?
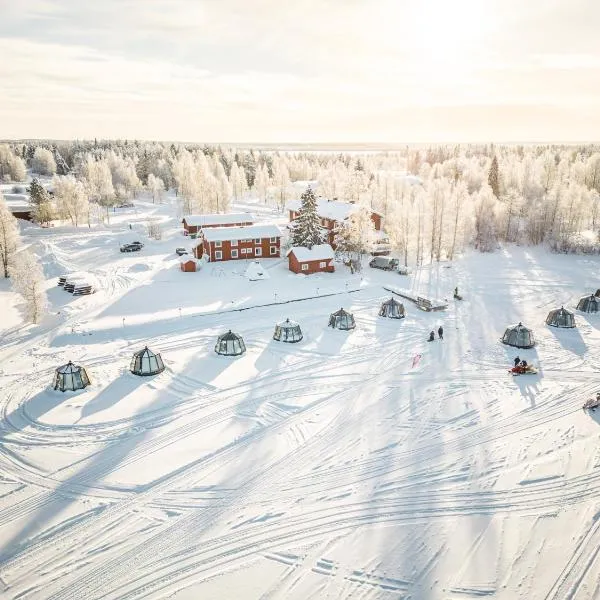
(287, 331)
(561, 317)
(519, 336)
(230, 344)
(70, 377)
(393, 309)
(188, 264)
(589, 304)
(342, 320)
(318, 259)
(145, 362)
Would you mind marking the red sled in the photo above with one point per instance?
(528, 370)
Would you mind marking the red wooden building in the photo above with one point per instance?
(318, 259)
(188, 264)
(196, 223)
(237, 243)
(332, 212)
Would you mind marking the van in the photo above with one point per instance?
(384, 262)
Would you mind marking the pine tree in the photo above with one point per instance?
(9, 236)
(37, 192)
(494, 177)
(307, 232)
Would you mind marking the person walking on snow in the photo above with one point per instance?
(517, 361)
(441, 332)
(431, 336)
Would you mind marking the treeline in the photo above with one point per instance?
(477, 195)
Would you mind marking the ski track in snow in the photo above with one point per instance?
(333, 439)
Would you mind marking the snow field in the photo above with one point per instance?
(328, 468)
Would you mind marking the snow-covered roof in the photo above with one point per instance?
(328, 209)
(187, 258)
(219, 219)
(215, 234)
(17, 202)
(318, 252)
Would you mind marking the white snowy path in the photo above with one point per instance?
(326, 469)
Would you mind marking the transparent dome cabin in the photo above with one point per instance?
(561, 317)
(145, 362)
(392, 309)
(230, 344)
(519, 336)
(70, 377)
(287, 331)
(589, 304)
(342, 320)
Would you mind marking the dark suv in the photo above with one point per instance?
(384, 262)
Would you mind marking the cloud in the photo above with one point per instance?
(317, 70)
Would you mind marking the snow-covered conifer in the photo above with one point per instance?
(307, 231)
(37, 192)
(494, 177)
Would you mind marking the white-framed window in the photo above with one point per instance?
(257, 240)
(218, 244)
(244, 251)
(234, 254)
(273, 250)
(305, 267)
(273, 240)
(322, 265)
(218, 255)
(258, 251)
(234, 242)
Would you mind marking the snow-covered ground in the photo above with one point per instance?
(365, 464)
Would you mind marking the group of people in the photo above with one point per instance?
(520, 365)
(440, 334)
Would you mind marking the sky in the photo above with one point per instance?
(310, 71)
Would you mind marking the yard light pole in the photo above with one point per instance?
(180, 313)
(275, 296)
(123, 321)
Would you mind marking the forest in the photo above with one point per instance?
(436, 200)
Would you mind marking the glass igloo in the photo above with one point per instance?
(230, 344)
(342, 320)
(287, 331)
(519, 336)
(145, 362)
(70, 377)
(589, 304)
(561, 317)
(393, 309)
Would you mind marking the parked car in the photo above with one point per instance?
(384, 262)
(130, 248)
(180, 251)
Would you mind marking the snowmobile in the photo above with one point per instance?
(592, 404)
(521, 370)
